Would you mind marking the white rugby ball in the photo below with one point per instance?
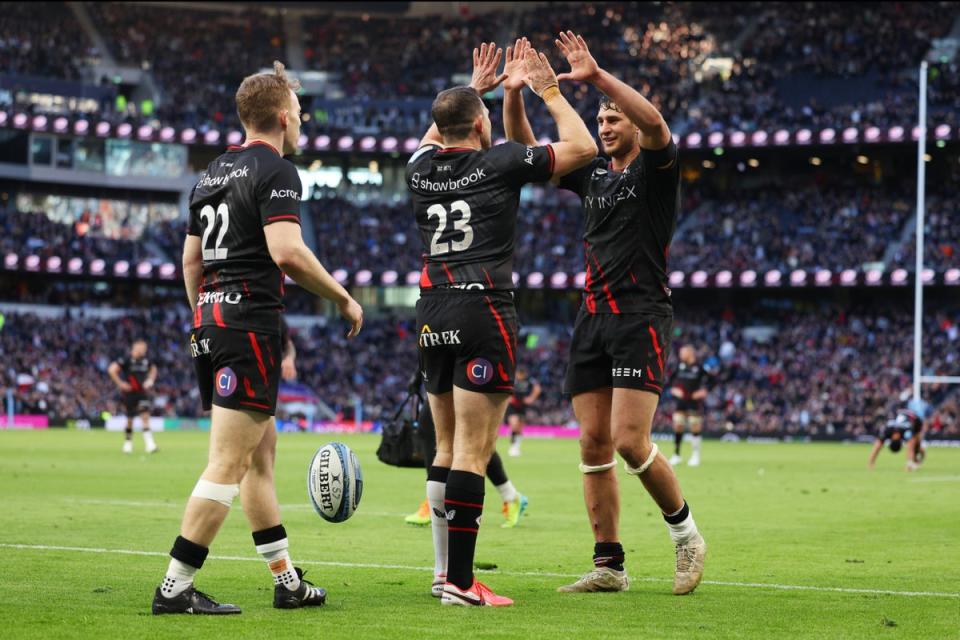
(334, 482)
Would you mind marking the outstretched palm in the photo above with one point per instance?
(582, 65)
(513, 66)
(486, 59)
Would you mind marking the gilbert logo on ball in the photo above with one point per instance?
(334, 482)
(480, 371)
(226, 381)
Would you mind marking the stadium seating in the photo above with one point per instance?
(819, 369)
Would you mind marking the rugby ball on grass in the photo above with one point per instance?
(334, 482)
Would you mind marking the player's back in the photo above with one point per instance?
(466, 202)
(242, 191)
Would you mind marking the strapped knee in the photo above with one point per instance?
(600, 468)
(646, 463)
(222, 493)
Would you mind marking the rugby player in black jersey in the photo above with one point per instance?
(465, 194)
(134, 375)
(622, 334)
(906, 427)
(243, 236)
(526, 390)
(689, 387)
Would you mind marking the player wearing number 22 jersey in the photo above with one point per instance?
(236, 341)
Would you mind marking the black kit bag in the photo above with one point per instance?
(399, 446)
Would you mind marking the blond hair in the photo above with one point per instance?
(262, 96)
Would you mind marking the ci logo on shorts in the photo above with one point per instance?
(480, 371)
(226, 382)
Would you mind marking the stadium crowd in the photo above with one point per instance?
(813, 223)
(34, 232)
(779, 369)
(708, 67)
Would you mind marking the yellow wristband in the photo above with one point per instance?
(550, 92)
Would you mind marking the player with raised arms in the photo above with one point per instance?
(243, 236)
(622, 334)
(465, 194)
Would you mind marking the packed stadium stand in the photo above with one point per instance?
(820, 356)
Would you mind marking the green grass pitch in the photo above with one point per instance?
(804, 542)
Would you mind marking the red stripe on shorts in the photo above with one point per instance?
(503, 329)
(256, 352)
(656, 347)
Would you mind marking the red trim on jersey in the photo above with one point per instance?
(425, 282)
(655, 386)
(248, 388)
(553, 158)
(218, 316)
(502, 372)
(505, 388)
(285, 216)
(265, 144)
(633, 277)
(503, 329)
(453, 149)
(656, 347)
(255, 404)
(591, 300)
(487, 275)
(134, 383)
(650, 373)
(234, 147)
(449, 275)
(606, 287)
(259, 356)
(462, 504)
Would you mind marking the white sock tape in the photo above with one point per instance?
(222, 493)
(600, 468)
(646, 463)
(273, 547)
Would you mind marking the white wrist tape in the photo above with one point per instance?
(600, 468)
(646, 463)
(222, 493)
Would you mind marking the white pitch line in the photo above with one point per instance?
(536, 574)
(157, 504)
(936, 479)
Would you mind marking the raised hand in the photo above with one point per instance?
(513, 66)
(486, 59)
(582, 65)
(539, 74)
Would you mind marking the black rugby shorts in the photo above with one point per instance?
(627, 350)
(237, 369)
(467, 339)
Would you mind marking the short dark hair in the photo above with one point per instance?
(454, 111)
(607, 103)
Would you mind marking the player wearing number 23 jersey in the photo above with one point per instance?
(236, 340)
(466, 204)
